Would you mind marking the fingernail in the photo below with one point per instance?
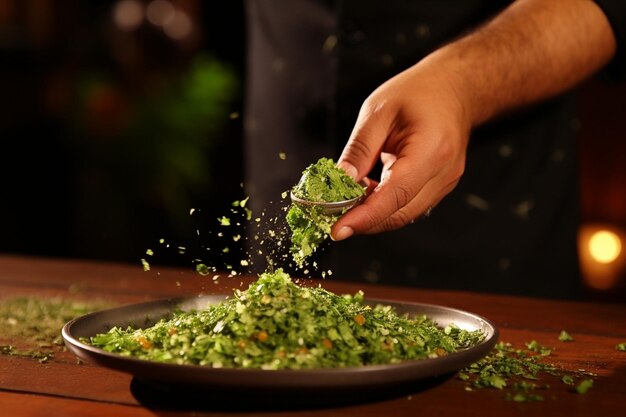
(343, 233)
(349, 168)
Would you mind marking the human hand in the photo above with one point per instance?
(416, 123)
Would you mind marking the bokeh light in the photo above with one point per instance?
(605, 246)
(160, 12)
(179, 27)
(602, 260)
(128, 14)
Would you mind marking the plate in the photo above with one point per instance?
(346, 379)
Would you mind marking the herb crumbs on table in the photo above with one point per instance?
(31, 326)
(519, 372)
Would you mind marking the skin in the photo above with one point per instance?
(423, 117)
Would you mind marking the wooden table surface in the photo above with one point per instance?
(65, 387)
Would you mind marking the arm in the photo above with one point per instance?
(419, 121)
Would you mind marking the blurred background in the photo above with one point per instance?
(118, 117)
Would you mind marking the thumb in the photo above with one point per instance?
(365, 143)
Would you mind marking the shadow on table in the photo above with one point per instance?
(167, 397)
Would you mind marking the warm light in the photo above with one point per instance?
(605, 246)
(128, 14)
(602, 261)
(179, 27)
(160, 12)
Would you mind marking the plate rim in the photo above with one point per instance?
(255, 378)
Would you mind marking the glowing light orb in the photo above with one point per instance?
(605, 246)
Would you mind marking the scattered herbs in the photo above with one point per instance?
(33, 325)
(519, 372)
(536, 347)
(277, 324)
(565, 337)
(584, 386)
(621, 347)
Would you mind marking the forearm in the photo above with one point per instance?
(533, 50)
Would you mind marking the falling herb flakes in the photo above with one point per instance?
(519, 372)
(33, 326)
(322, 181)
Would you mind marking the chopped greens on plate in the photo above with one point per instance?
(278, 324)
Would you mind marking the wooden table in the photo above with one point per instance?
(64, 387)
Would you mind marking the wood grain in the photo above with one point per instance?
(28, 387)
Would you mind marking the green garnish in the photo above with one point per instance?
(145, 265)
(505, 363)
(320, 182)
(519, 371)
(309, 228)
(621, 347)
(584, 386)
(33, 326)
(536, 347)
(324, 181)
(565, 337)
(277, 324)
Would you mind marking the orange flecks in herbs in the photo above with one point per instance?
(360, 320)
(145, 343)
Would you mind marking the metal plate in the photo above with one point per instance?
(228, 379)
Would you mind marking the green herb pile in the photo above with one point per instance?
(322, 181)
(277, 324)
(33, 325)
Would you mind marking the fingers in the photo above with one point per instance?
(390, 205)
(420, 206)
(404, 194)
(366, 141)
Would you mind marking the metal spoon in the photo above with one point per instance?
(328, 208)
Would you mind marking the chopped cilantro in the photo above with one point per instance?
(145, 265)
(33, 325)
(202, 269)
(322, 181)
(277, 324)
(584, 386)
(518, 372)
(536, 347)
(565, 337)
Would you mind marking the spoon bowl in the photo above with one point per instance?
(328, 208)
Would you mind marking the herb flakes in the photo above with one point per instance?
(277, 324)
(33, 325)
(322, 181)
(519, 372)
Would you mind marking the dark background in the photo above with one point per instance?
(110, 136)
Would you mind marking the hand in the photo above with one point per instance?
(417, 125)
(418, 122)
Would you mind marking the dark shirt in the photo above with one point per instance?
(510, 225)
